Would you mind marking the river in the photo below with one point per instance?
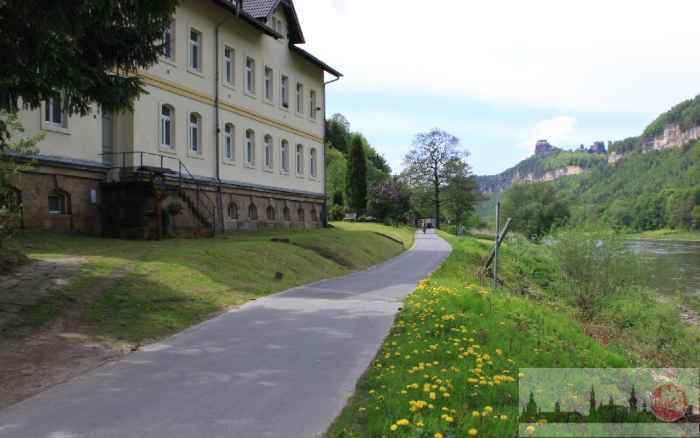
(678, 264)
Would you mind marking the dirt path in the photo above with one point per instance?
(59, 350)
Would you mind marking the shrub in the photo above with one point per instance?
(595, 266)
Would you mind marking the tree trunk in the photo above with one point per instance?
(437, 199)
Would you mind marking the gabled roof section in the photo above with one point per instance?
(314, 60)
(263, 9)
(245, 16)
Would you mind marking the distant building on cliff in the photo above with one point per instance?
(543, 147)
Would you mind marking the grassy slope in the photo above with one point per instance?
(450, 331)
(173, 284)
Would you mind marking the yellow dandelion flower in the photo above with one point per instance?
(473, 432)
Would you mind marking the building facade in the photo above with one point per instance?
(228, 136)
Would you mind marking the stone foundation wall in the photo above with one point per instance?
(79, 188)
(243, 209)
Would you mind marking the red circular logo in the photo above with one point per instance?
(669, 403)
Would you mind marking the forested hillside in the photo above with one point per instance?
(644, 191)
(537, 166)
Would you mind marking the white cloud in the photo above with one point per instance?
(560, 130)
(600, 55)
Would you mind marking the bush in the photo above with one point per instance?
(596, 266)
(337, 212)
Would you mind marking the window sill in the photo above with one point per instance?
(195, 72)
(300, 115)
(301, 176)
(250, 166)
(230, 86)
(250, 94)
(269, 170)
(268, 102)
(167, 150)
(195, 155)
(227, 162)
(58, 214)
(284, 172)
(283, 108)
(170, 62)
(54, 128)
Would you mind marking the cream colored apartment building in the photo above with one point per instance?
(231, 129)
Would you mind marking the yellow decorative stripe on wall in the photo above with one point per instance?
(208, 100)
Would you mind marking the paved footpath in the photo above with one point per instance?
(282, 366)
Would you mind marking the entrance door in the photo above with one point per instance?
(107, 137)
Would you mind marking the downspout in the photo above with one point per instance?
(217, 111)
(324, 210)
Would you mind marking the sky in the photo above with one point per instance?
(502, 74)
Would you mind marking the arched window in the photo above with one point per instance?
(271, 213)
(229, 142)
(196, 133)
(167, 126)
(314, 215)
(232, 210)
(59, 202)
(300, 159)
(250, 147)
(284, 152)
(286, 214)
(313, 167)
(301, 216)
(253, 212)
(268, 151)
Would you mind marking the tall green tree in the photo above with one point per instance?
(428, 162)
(338, 132)
(79, 52)
(356, 187)
(461, 191)
(535, 208)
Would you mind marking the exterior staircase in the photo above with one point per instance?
(136, 187)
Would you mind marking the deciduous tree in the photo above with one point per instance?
(428, 162)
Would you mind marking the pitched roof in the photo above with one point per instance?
(260, 8)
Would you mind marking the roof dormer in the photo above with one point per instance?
(279, 15)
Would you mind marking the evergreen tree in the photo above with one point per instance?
(356, 186)
(79, 52)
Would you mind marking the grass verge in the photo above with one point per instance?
(677, 235)
(450, 364)
(157, 288)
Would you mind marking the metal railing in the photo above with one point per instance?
(150, 162)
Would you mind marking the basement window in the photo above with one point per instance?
(58, 203)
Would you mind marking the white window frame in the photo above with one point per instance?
(169, 41)
(229, 66)
(300, 98)
(63, 202)
(284, 156)
(249, 148)
(313, 104)
(250, 76)
(269, 84)
(313, 162)
(229, 152)
(269, 145)
(284, 92)
(191, 126)
(162, 126)
(48, 119)
(299, 159)
(199, 48)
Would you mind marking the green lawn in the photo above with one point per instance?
(164, 287)
(450, 365)
(404, 234)
(678, 235)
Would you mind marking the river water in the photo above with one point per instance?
(677, 263)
